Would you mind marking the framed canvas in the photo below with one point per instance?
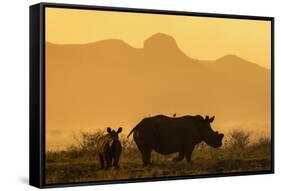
(123, 95)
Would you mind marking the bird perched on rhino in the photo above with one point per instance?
(109, 148)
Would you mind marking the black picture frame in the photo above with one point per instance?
(37, 92)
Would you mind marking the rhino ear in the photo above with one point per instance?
(207, 118)
(108, 129)
(119, 130)
(212, 119)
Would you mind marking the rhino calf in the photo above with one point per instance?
(109, 148)
(167, 135)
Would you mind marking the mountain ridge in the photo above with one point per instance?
(160, 37)
(99, 85)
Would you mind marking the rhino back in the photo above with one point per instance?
(168, 135)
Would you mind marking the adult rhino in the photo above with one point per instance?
(167, 135)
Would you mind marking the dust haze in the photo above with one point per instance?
(109, 83)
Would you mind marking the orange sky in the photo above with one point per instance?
(199, 37)
(82, 96)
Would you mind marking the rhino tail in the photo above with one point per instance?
(134, 129)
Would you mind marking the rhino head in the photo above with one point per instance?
(211, 137)
(114, 135)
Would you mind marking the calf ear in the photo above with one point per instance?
(108, 129)
(119, 130)
(212, 119)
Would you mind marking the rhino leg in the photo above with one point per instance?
(146, 156)
(101, 160)
(108, 161)
(179, 157)
(188, 154)
(115, 161)
(144, 149)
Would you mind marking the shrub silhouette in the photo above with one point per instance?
(239, 139)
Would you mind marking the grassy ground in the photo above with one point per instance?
(80, 163)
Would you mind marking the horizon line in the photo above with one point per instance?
(159, 33)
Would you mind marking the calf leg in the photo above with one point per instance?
(101, 160)
(115, 161)
(108, 161)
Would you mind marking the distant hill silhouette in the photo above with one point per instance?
(89, 82)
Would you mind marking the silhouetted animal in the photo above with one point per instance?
(109, 148)
(167, 135)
